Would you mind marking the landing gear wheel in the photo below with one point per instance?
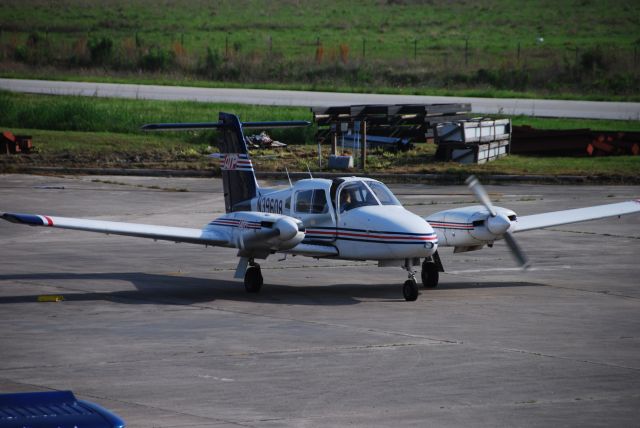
(410, 290)
(253, 279)
(430, 275)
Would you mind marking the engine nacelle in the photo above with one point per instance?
(261, 232)
(470, 226)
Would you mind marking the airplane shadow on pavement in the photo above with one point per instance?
(184, 290)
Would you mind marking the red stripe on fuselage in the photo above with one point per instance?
(371, 236)
(49, 221)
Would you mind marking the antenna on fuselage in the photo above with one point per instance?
(287, 170)
(309, 170)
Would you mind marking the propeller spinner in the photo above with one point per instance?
(497, 223)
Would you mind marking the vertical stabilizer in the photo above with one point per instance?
(238, 177)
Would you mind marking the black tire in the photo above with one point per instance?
(410, 290)
(253, 280)
(430, 275)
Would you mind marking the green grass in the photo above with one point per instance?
(103, 132)
(71, 113)
(624, 166)
(589, 47)
(561, 123)
(292, 28)
(94, 114)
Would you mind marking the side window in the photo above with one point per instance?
(319, 205)
(311, 201)
(287, 203)
(303, 201)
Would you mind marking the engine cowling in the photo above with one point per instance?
(470, 226)
(261, 232)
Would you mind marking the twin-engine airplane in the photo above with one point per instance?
(347, 218)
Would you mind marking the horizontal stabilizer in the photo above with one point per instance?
(215, 125)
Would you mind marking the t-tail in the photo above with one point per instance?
(238, 176)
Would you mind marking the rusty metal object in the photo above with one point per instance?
(573, 142)
(15, 144)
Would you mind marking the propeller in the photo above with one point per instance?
(497, 223)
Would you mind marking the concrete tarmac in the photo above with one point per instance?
(161, 334)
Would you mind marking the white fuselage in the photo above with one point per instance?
(372, 228)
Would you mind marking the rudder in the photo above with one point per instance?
(238, 176)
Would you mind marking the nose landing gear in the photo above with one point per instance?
(410, 288)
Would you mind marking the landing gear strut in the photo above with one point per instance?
(410, 288)
(253, 278)
(431, 268)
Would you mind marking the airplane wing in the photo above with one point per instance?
(165, 233)
(539, 221)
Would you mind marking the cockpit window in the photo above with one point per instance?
(354, 195)
(382, 192)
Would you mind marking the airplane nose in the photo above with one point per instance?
(420, 229)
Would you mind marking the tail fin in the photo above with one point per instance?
(238, 177)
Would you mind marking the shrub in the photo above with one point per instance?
(100, 50)
(156, 59)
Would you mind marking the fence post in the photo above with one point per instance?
(334, 140)
(466, 52)
(363, 148)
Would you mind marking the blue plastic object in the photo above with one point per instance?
(58, 409)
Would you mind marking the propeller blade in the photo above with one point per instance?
(495, 226)
(517, 252)
(479, 192)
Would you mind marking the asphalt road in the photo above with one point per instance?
(161, 334)
(529, 107)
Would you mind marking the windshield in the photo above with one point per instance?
(383, 193)
(354, 195)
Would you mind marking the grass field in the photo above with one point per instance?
(102, 132)
(575, 47)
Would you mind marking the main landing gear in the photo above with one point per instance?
(253, 278)
(431, 268)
